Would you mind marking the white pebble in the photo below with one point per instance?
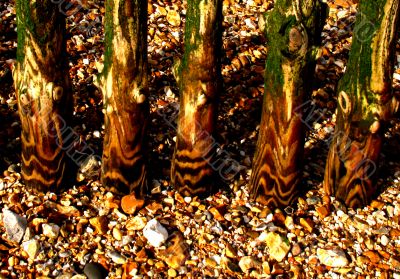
(96, 134)
(334, 258)
(14, 224)
(117, 258)
(31, 247)
(155, 233)
(50, 230)
(384, 240)
(250, 24)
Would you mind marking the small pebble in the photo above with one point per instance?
(15, 225)
(155, 233)
(172, 273)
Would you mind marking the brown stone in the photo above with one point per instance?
(297, 272)
(130, 204)
(136, 223)
(377, 204)
(323, 211)
(372, 256)
(313, 260)
(179, 198)
(307, 224)
(111, 204)
(81, 224)
(36, 223)
(172, 273)
(383, 266)
(100, 224)
(395, 263)
(69, 211)
(173, 18)
(266, 268)
(210, 262)
(154, 207)
(277, 269)
(279, 217)
(248, 263)
(161, 10)
(217, 215)
(230, 251)
(296, 249)
(159, 265)
(362, 260)
(128, 267)
(384, 254)
(141, 256)
(298, 232)
(344, 3)
(150, 8)
(321, 269)
(264, 212)
(177, 251)
(394, 233)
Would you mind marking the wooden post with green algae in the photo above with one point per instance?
(43, 92)
(124, 83)
(199, 83)
(293, 30)
(365, 103)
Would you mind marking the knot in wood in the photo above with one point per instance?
(344, 102)
(201, 100)
(24, 100)
(141, 98)
(58, 93)
(295, 39)
(138, 94)
(374, 128)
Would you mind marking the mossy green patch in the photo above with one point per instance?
(39, 19)
(277, 32)
(192, 31)
(108, 37)
(356, 81)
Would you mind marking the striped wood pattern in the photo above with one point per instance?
(124, 86)
(365, 103)
(43, 93)
(292, 30)
(192, 170)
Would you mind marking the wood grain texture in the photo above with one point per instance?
(199, 83)
(365, 103)
(124, 84)
(43, 92)
(293, 35)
